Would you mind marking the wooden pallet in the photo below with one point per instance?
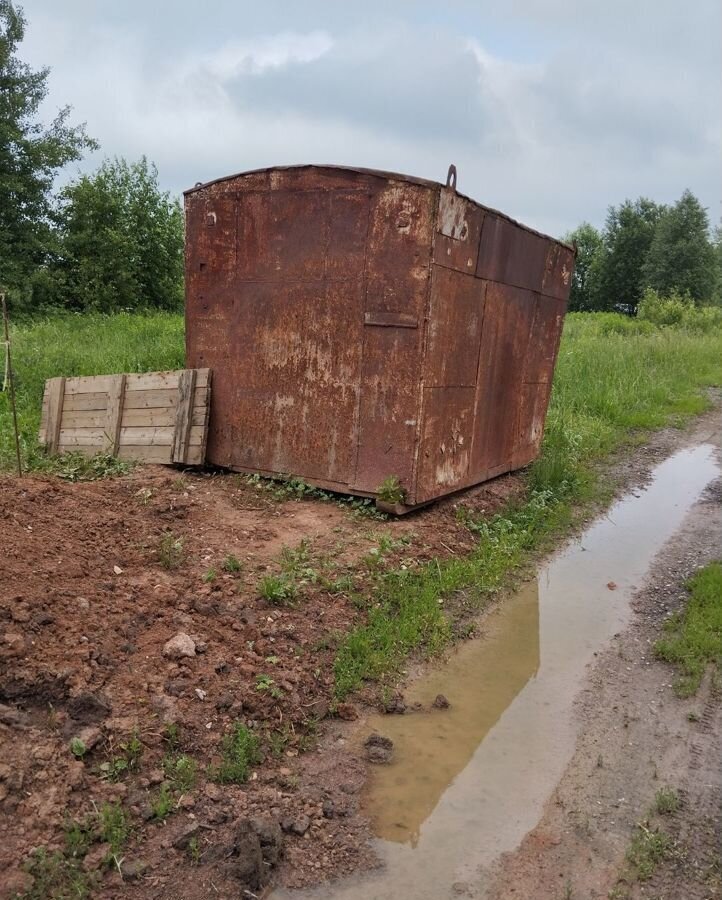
(158, 417)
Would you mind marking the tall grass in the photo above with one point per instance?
(92, 344)
(616, 375)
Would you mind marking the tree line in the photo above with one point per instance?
(645, 246)
(113, 239)
(106, 241)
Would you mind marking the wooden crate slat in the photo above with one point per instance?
(94, 400)
(159, 417)
(159, 380)
(56, 394)
(116, 395)
(184, 414)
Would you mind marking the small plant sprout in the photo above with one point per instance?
(391, 491)
(170, 551)
(78, 748)
(277, 589)
(266, 683)
(239, 751)
(666, 801)
(232, 565)
(209, 576)
(163, 804)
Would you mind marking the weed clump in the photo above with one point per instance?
(278, 589)
(694, 637)
(391, 491)
(170, 551)
(666, 801)
(239, 751)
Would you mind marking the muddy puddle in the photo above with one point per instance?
(467, 783)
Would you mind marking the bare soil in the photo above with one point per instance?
(86, 607)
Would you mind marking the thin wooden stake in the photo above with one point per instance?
(9, 382)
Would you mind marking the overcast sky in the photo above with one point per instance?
(551, 110)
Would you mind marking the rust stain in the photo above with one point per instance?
(363, 324)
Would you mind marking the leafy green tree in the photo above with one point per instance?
(681, 257)
(31, 154)
(616, 275)
(121, 241)
(589, 245)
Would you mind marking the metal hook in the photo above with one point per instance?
(451, 177)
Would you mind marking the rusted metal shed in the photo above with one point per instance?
(363, 325)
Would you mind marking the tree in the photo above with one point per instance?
(617, 270)
(121, 241)
(31, 154)
(681, 257)
(589, 245)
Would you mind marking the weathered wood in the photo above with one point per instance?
(154, 417)
(160, 436)
(56, 393)
(159, 380)
(116, 395)
(131, 418)
(184, 414)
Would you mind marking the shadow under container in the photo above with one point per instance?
(365, 326)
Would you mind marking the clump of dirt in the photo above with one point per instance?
(140, 626)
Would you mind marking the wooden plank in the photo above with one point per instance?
(161, 399)
(94, 400)
(163, 436)
(184, 414)
(132, 418)
(56, 393)
(82, 437)
(88, 384)
(162, 380)
(202, 401)
(114, 414)
(162, 455)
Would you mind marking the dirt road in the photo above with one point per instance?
(636, 737)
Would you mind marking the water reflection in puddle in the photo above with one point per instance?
(468, 783)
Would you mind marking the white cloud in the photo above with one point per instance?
(550, 117)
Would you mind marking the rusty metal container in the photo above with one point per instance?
(363, 325)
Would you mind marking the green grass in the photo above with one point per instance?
(240, 749)
(648, 848)
(666, 801)
(694, 636)
(90, 344)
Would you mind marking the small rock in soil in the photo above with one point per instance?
(347, 711)
(440, 702)
(213, 792)
(95, 857)
(271, 838)
(395, 705)
(185, 835)
(180, 646)
(379, 749)
(134, 869)
(329, 809)
(299, 825)
(88, 709)
(247, 858)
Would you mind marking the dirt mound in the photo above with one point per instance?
(95, 580)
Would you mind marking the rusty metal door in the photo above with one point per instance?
(397, 284)
(508, 319)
